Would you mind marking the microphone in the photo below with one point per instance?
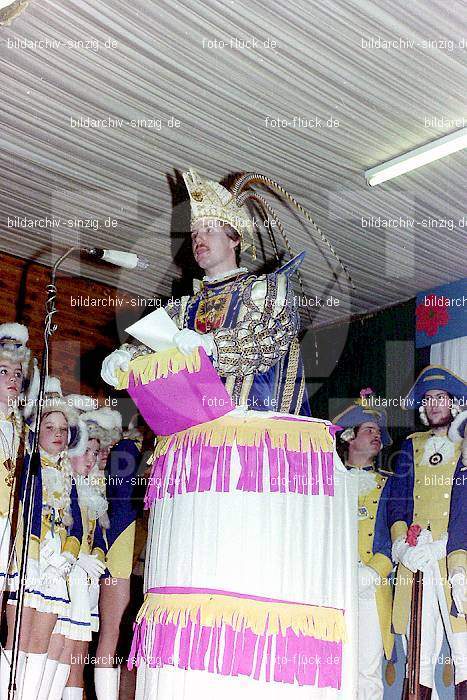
(120, 258)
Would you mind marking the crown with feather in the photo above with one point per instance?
(210, 200)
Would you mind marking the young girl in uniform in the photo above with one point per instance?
(55, 538)
(121, 465)
(14, 364)
(73, 630)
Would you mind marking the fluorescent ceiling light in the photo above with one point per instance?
(418, 157)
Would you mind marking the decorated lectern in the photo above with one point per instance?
(249, 591)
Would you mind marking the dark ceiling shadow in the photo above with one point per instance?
(180, 240)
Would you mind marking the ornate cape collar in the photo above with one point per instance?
(218, 279)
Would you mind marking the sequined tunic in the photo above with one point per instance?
(254, 322)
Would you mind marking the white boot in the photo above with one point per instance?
(106, 683)
(59, 682)
(33, 672)
(47, 678)
(72, 693)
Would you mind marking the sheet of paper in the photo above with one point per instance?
(156, 330)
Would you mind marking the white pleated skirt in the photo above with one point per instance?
(81, 618)
(8, 567)
(46, 591)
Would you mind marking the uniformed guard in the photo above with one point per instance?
(457, 530)
(421, 494)
(361, 442)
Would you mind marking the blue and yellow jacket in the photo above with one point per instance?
(374, 549)
(45, 518)
(124, 506)
(420, 494)
(457, 527)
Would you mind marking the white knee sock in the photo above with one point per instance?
(106, 683)
(33, 671)
(72, 693)
(5, 665)
(47, 678)
(59, 682)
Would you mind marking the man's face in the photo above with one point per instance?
(11, 377)
(211, 245)
(437, 408)
(53, 433)
(367, 440)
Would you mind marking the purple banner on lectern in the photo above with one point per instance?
(441, 314)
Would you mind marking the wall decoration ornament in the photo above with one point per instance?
(432, 313)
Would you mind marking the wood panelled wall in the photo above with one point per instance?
(86, 333)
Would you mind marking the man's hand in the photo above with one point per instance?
(186, 341)
(118, 359)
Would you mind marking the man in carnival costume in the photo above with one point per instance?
(457, 529)
(421, 494)
(365, 434)
(248, 324)
(228, 591)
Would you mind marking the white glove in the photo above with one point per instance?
(458, 583)
(47, 550)
(62, 563)
(186, 341)
(118, 359)
(438, 547)
(368, 579)
(91, 565)
(399, 549)
(426, 554)
(413, 558)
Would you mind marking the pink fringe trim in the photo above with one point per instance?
(305, 473)
(296, 658)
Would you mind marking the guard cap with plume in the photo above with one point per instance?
(209, 199)
(361, 411)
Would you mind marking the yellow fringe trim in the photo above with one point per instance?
(296, 436)
(147, 368)
(327, 624)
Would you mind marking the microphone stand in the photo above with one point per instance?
(115, 257)
(34, 468)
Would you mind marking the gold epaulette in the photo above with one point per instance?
(419, 435)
